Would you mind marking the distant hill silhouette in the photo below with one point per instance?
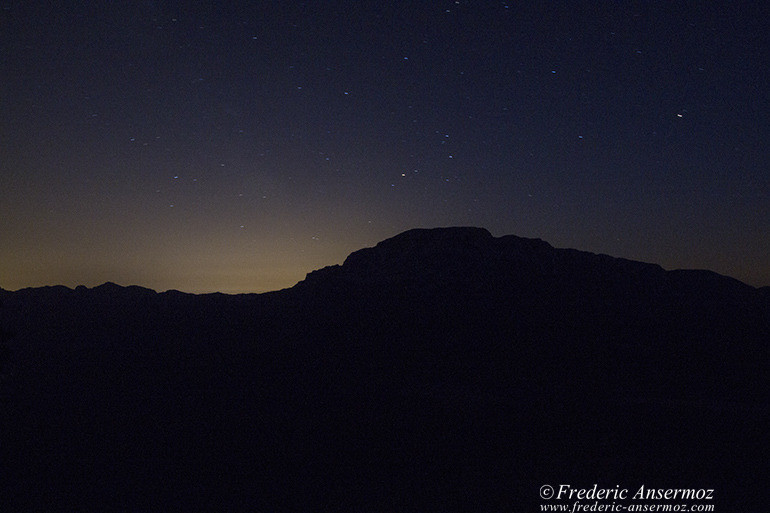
(441, 370)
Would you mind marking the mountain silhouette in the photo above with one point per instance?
(441, 370)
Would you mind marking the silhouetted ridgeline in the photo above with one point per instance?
(441, 370)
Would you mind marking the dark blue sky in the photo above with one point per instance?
(236, 147)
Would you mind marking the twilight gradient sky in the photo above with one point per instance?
(236, 146)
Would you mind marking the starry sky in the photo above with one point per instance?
(237, 146)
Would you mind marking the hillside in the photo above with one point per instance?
(441, 370)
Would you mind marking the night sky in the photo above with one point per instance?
(234, 147)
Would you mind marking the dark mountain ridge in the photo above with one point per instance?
(441, 370)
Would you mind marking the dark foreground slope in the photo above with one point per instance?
(442, 370)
